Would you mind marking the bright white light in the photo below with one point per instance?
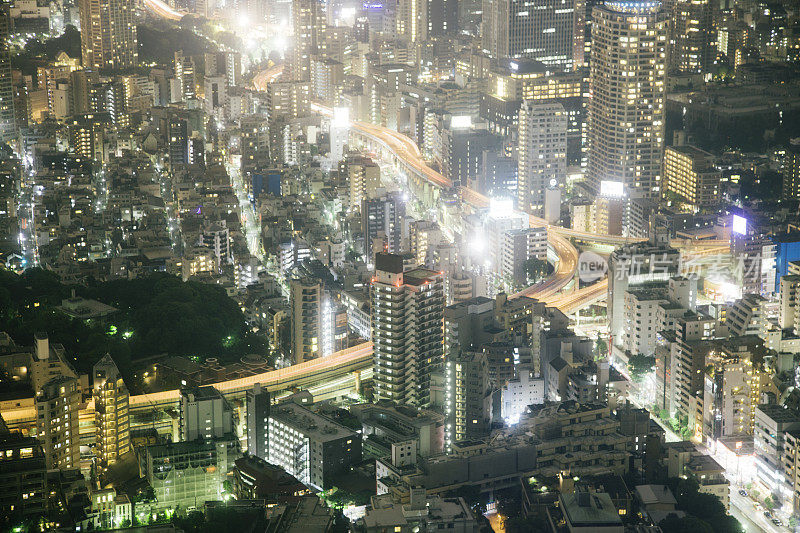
(512, 419)
(501, 207)
(739, 225)
(478, 244)
(281, 43)
(461, 122)
(341, 117)
(612, 188)
(348, 15)
(243, 21)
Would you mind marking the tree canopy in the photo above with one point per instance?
(157, 314)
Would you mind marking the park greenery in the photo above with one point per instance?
(704, 512)
(37, 51)
(157, 314)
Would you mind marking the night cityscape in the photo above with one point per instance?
(400, 266)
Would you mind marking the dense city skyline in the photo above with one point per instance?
(283, 265)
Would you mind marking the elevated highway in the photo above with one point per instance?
(163, 10)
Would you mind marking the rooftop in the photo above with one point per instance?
(420, 276)
(583, 509)
(311, 424)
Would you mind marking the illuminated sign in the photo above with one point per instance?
(461, 121)
(501, 207)
(739, 225)
(612, 188)
(341, 117)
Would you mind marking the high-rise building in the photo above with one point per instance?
(633, 266)
(542, 153)
(791, 172)
(468, 398)
(178, 140)
(7, 124)
(108, 34)
(407, 330)
(382, 220)
(185, 74)
(543, 30)
(57, 406)
(690, 177)
(257, 404)
(87, 135)
(363, 176)
(309, 446)
(305, 300)
(23, 477)
(626, 111)
(694, 46)
(205, 414)
(309, 20)
(111, 420)
(411, 19)
(186, 474)
(442, 17)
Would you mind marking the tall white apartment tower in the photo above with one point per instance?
(542, 153)
(407, 330)
(111, 399)
(626, 110)
(57, 406)
(309, 21)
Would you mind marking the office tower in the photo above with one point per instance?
(108, 34)
(626, 111)
(411, 19)
(542, 153)
(111, 412)
(7, 124)
(442, 17)
(690, 177)
(502, 218)
(205, 414)
(694, 47)
(468, 398)
(305, 300)
(311, 447)
(309, 21)
(543, 30)
(791, 172)
(382, 220)
(462, 150)
(407, 333)
(257, 404)
(57, 406)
